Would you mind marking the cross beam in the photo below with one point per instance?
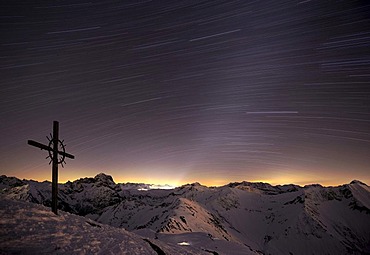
(54, 152)
(45, 147)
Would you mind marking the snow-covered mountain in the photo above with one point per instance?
(238, 218)
(28, 228)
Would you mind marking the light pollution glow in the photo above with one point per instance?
(299, 178)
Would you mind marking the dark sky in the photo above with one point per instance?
(183, 91)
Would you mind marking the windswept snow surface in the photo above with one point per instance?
(28, 228)
(239, 218)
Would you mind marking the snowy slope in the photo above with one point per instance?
(27, 228)
(313, 220)
(239, 218)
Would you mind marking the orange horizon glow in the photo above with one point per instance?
(298, 179)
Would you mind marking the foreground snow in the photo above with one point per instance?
(27, 228)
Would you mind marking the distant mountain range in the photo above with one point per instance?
(238, 218)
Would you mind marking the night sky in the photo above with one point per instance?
(182, 91)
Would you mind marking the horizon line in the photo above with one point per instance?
(300, 184)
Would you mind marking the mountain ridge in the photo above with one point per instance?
(259, 217)
(106, 177)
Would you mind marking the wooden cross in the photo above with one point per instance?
(55, 148)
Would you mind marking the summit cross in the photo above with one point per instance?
(57, 155)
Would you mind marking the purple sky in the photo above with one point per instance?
(183, 91)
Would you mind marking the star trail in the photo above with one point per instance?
(183, 91)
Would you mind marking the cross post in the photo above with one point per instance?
(54, 185)
(55, 149)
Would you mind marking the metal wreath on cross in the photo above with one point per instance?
(61, 145)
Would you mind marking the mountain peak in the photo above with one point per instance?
(358, 182)
(194, 184)
(6, 182)
(102, 177)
